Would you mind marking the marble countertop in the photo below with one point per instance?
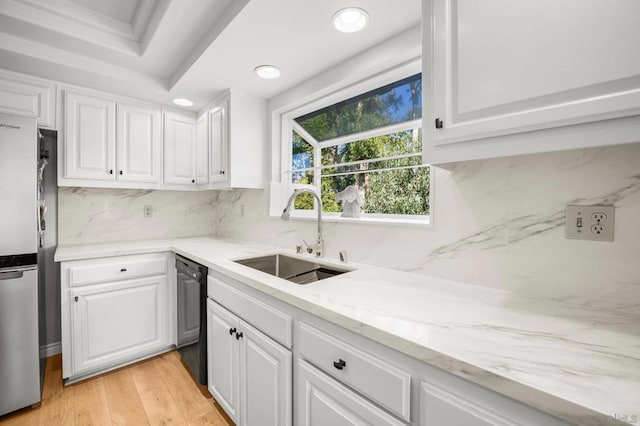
(577, 363)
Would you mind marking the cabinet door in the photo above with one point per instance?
(114, 322)
(21, 95)
(202, 149)
(179, 149)
(90, 131)
(323, 401)
(504, 67)
(479, 407)
(223, 358)
(265, 374)
(139, 144)
(218, 141)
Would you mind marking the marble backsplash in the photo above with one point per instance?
(497, 223)
(92, 215)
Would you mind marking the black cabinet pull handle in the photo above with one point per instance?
(438, 123)
(193, 181)
(76, 298)
(123, 269)
(340, 364)
(121, 172)
(231, 331)
(239, 336)
(111, 171)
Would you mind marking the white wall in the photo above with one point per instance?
(497, 223)
(91, 215)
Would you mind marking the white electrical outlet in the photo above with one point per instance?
(148, 210)
(593, 223)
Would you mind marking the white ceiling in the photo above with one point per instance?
(161, 49)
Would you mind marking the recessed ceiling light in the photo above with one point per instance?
(183, 102)
(350, 19)
(267, 71)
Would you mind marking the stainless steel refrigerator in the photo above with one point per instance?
(19, 341)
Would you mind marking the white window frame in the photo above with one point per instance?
(287, 125)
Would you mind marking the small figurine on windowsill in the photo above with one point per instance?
(351, 200)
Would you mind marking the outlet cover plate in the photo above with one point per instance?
(594, 223)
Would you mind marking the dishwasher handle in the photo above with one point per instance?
(11, 275)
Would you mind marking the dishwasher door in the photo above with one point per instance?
(192, 320)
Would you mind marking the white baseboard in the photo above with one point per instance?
(50, 349)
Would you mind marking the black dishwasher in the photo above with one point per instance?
(192, 318)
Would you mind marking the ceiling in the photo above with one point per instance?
(162, 49)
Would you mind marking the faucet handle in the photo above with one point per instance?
(309, 248)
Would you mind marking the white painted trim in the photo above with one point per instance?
(372, 133)
(365, 84)
(50, 349)
(287, 124)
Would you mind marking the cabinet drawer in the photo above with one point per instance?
(324, 401)
(384, 383)
(117, 268)
(267, 319)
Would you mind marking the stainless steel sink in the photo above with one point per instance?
(295, 270)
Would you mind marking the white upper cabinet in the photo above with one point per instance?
(202, 150)
(90, 138)
(218, 160)
(237, 131)
(179, 149)
(139, 144)
(505, 78)
(30, 96)
(110, 144)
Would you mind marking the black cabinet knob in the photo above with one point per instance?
(231, 331)
(111, 171)
(340, 364)
(239, 336)
(221, 172)
(193, 181)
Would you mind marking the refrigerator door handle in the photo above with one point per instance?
(11, 275)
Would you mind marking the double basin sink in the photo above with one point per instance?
(296, 270)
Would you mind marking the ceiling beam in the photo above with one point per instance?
(234, 8)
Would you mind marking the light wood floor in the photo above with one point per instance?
(158, 391)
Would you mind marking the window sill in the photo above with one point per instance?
(423, 222)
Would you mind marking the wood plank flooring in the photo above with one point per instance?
(158, 391)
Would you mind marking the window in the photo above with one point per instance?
(371, 142)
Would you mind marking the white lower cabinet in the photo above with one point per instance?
(321, 401)
(115, 310)
(115, 321)
(467, 404)
(249, 373)
(223, 358)
(341, 377)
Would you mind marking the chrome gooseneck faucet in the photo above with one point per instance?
(286, 213)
